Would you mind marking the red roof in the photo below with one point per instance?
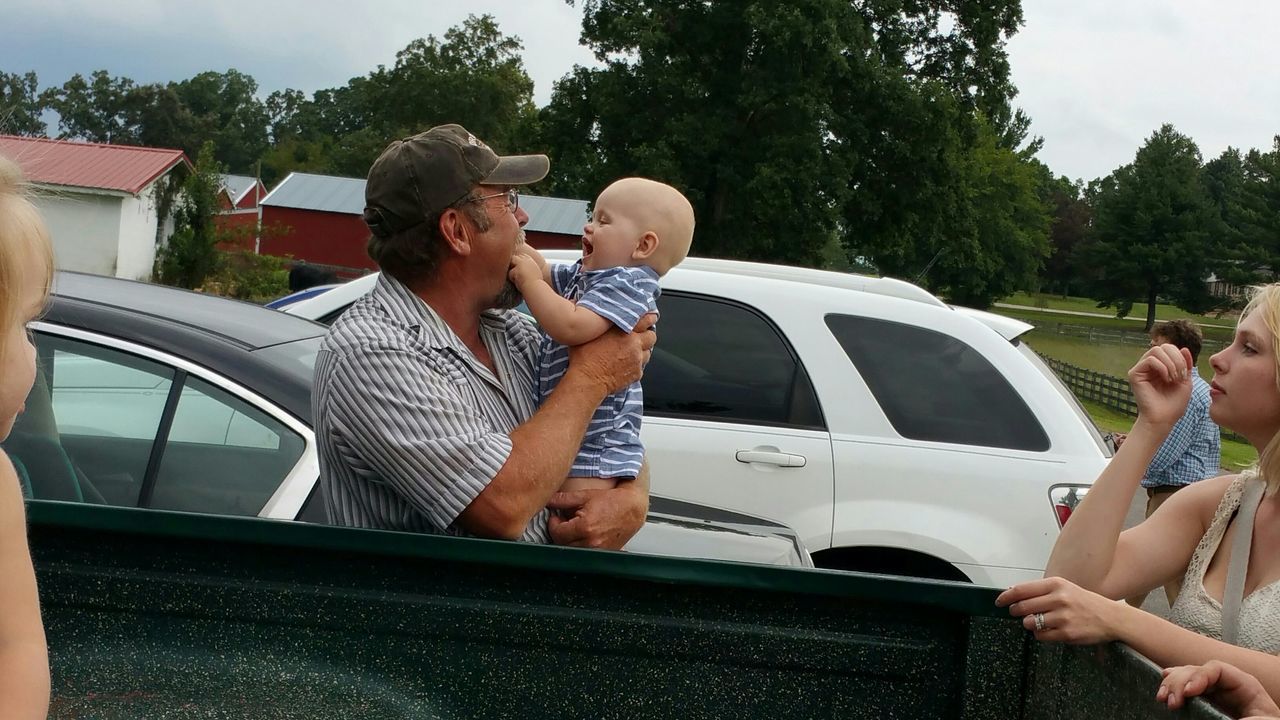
(89, 165)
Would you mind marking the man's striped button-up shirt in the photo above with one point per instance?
(411, 426)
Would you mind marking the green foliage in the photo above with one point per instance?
(474, 76)
(191, 255)
(1071, 216)
(787, 124)
(224, 109)
(246, 276)
(218, 108)
(1154, 231)
(20, 105)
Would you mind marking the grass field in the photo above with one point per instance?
(1222, 334)
(1079, 304)
(1235, 455)
(1106, 358)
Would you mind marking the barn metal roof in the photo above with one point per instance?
(238, 185)
(89, 165)
(327, 193)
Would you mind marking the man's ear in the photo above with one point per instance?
(455, 231)
(646, 247)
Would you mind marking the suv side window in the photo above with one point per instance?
(934, 387)
(721, 361)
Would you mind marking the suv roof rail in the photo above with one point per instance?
(891, 287)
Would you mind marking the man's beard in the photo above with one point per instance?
(508, 297)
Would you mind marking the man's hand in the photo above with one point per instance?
(1238, 692)
(599, 518)
(524, 270)
(615, 359)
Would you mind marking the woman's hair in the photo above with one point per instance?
(22, 233)
(1266, 300)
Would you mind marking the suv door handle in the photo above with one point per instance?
(771, 457)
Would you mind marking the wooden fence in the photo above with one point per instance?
(1106, 390)
(1112, 337)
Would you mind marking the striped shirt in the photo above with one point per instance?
(411, 425)
(621, 295)
(1194, 446)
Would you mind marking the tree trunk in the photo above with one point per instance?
(1151, 309)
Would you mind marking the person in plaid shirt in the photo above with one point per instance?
(1193, 449)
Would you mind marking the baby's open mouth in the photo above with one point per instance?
(586, 247)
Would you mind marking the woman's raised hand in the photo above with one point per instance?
(1161, 382)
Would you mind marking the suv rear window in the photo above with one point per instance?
(931, 386)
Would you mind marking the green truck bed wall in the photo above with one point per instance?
(168, 615)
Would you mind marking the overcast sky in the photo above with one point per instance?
(1096, 76)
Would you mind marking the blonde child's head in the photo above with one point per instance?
(637, 221)
(26, 272)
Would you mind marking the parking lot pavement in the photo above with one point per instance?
(1156, 603)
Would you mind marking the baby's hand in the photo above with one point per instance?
(524, 270)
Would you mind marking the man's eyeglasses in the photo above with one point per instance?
(512, 197)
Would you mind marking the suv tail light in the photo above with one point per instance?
(1065, 499)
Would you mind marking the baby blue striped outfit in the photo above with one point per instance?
(622, 295)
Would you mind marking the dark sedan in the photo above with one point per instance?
(154, 397)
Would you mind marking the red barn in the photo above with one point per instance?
(317, 218)
(238, 219)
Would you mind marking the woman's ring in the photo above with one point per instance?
(1039, 622)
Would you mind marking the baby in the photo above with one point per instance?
(638, 231)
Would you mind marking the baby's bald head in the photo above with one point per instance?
(658, 208)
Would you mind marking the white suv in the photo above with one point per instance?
(894, 433)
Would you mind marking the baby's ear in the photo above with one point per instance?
(646, 247)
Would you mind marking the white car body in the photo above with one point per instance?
(860, 493)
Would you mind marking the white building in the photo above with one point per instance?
(101, 202)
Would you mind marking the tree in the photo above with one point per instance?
(1256, 255)
(225, 110)
(191, 253)
(1153, 226)
(789, 123)
(94, 109)
(1070, 218)
(473, 76)
(20, 105)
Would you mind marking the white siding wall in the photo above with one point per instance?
(85, 229)
(137, 254)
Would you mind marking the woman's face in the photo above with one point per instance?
(18, 357)
(1245, 397)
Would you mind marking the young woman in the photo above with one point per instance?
(26, 270)
(1095, 563)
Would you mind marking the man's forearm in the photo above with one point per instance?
(542, 451)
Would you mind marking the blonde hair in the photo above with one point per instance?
(1266, 299)
(22, 232)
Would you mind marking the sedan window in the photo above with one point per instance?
(106, 426)
(223, 455)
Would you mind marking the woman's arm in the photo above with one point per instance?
(24, 658)
(1091, 551)
(1056, 610)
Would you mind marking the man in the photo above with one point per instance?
(1194, 446)
(425, 388)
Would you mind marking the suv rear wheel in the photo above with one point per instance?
(888, 561)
